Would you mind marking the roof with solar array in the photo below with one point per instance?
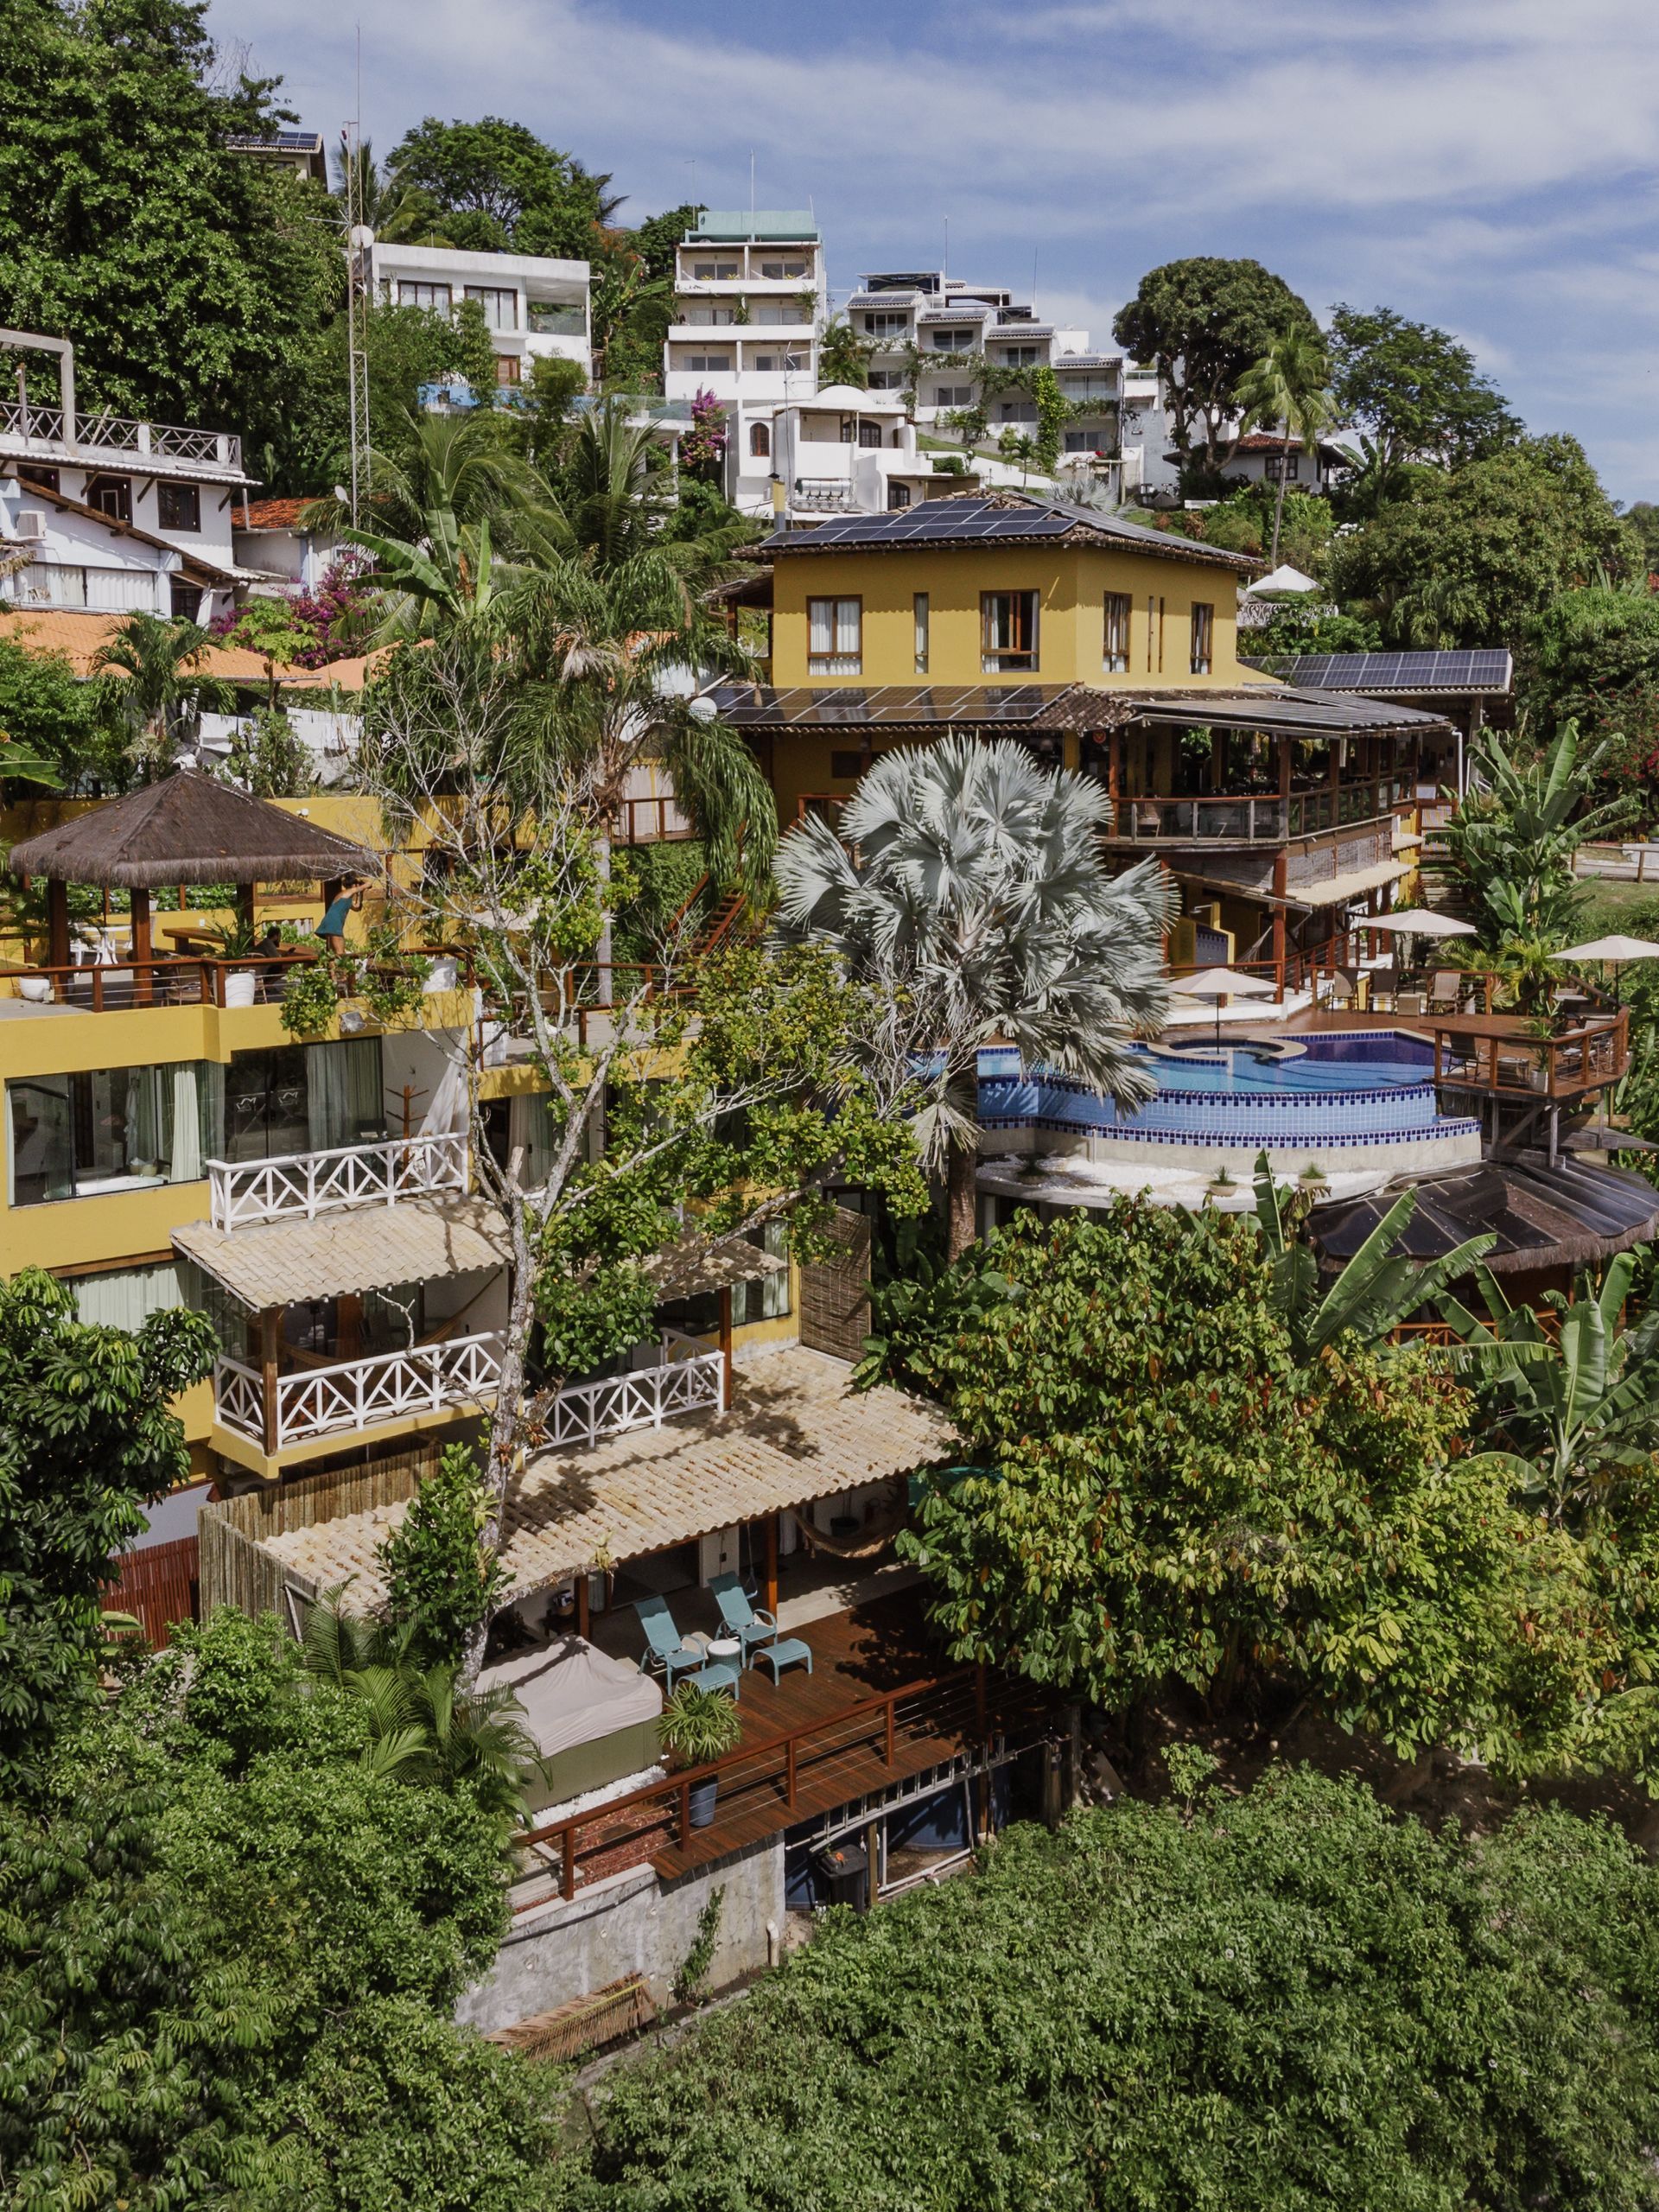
(1482, 670)
(968, 521)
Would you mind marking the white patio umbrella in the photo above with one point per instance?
(1218, 983)
(1616, 951)
(1419, 921)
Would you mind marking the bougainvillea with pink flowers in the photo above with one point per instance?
(332, 619)
(703, 447)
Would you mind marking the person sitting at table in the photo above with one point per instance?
(332, 928)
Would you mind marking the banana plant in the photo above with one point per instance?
(1377, 1289)
(1572, 1408)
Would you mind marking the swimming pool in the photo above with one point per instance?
(1364, 1088)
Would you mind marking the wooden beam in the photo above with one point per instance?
(726, 1346)
(269, 1346)
(769, 1582)
(57, 923)
(143, 983)
(584, 1621)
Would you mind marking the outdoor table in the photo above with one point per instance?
(725, 1647)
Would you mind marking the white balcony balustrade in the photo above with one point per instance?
(684, 1378)
(358, 1394)
(300, 1185)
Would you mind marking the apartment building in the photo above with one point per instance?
(533, 304)
(103, 512)
(941, 330)
(750, 300)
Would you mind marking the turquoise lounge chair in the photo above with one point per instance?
(750, 1624)
(789, 1653)
(665, 1646)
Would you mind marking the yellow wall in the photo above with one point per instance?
(1072, 582)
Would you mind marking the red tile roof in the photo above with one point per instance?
(270, 514)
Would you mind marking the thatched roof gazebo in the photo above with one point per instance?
(187, 829)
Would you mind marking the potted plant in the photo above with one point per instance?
(1221, 1184)
(697, 1727)
(1313, 1179)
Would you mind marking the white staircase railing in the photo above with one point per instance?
(300, 1185)
(360, 1393)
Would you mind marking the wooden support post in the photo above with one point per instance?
(584, 1615)
(873, 1854)
(143, 982)
(769, 1585)
(57, 924)
(270, 1329)
(244, 906)
(1280, 883)
(348, 1324)
(568, 1867)
(726, 1346)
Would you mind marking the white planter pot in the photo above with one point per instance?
(37, 989)
(238, 989)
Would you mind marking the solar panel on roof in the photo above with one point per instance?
(1465, 669)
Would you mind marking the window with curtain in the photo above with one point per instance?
(124, 1298)
(1115, 648)
(1204, 628)
(1007, 630)
(835, 636)
(767, 1298)
(919, 604)
(530, 1126)
(108, 1129)
(343, 1098)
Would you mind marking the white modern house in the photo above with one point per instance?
(1150, 472)
(532, 303)
(749, 304)
(102, 511)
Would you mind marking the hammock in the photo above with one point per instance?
(865, 1541)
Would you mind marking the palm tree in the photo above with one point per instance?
(420, 1723)
(1377, 1289)
(965, 884)
(392, 211)
(151, 685)
(1286, 386)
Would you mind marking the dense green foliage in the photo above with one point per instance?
(222, 1916)
(1162, 1491)
(1415, 394)
(190, 277)
(1591, 656)
(48, 713)
(1204, 322)
(85, 1440)
(1295, 2002)
(438, 1589)
(495, 187)
(1471, 558)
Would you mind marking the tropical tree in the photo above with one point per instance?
(1201, 323)
(1375, 1291)
(1574, 1401)
(153, 688)
(844, 356)
(1285, 385)
(964, 885)
(1415, 394)
(394, 210)
(1507, 853)
(420, 1723)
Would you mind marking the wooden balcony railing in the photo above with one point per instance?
(1259, 818)
(1494, 1055)
(956, 1708)
(656, 820)
(300, 1185)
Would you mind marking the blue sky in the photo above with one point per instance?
(1488, 165)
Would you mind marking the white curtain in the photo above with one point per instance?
(446, 1109)
(126, 1297)
(327, 1102)
(528, 1125)
(364, 1104)
(821, 618)
(144, 1118)
(210, 1091)
(186, 1165)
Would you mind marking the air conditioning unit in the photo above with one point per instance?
(31, 522)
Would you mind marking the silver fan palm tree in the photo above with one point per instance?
(965, 885)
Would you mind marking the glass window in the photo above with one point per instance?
(761, 441)
(1203, 625)
(506, 368)
(715, 272)
(919, 605)
(898, 495)
(953, 342)
(778, 363)
(714, 363)
(1008, 622)
(886, 325)
(555, 319)
(500, 306)
(1286, 465)
(434, 298)
(111, 496)
(110, 1130)
(1114, 645)
(776, 270)
(179, 506)
(835, 636)
(886, 380)
(869, 435)
(765, 1299)
(953, 395)
(1022, 357)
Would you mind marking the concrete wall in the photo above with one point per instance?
(633, 1923)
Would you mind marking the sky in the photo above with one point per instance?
(1489, 166)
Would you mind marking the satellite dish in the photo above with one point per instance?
(702, 711)
(362, 238)
(342, 493)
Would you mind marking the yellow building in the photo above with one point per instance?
(1112, 648)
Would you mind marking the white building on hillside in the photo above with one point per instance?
(749, 304)
(102, 511)
(532, 304)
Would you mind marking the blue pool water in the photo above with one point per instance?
(1360, 1088)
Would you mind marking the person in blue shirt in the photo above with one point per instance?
(332, 928)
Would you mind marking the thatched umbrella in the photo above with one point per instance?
(187, 829)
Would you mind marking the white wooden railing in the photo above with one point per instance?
(360, 1393)
(302, 1184)
(685, 1379)
(107, 433)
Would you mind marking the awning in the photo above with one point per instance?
(341, 1254)
(1286, 711)
(1353, 885)
(796, 1432)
